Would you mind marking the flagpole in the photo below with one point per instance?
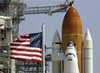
(43, 47)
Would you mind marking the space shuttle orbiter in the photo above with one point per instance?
(69, 59)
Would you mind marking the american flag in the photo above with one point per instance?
(27, 48)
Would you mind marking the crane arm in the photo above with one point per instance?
(49, 9)
(42, 9)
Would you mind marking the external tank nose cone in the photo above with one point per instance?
(72, 22)
(72, 12)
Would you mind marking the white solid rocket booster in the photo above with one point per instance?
(56, 49)
(88, 53)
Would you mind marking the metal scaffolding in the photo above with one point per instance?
(13, 10)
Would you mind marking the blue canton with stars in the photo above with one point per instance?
(36, 40)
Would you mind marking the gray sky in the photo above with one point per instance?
(89, 11)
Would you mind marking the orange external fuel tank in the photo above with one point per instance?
(72, 31)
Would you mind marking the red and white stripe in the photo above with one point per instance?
(20, 50)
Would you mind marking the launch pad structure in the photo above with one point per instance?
(11, 14)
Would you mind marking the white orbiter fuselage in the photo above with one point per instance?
(71, 60)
